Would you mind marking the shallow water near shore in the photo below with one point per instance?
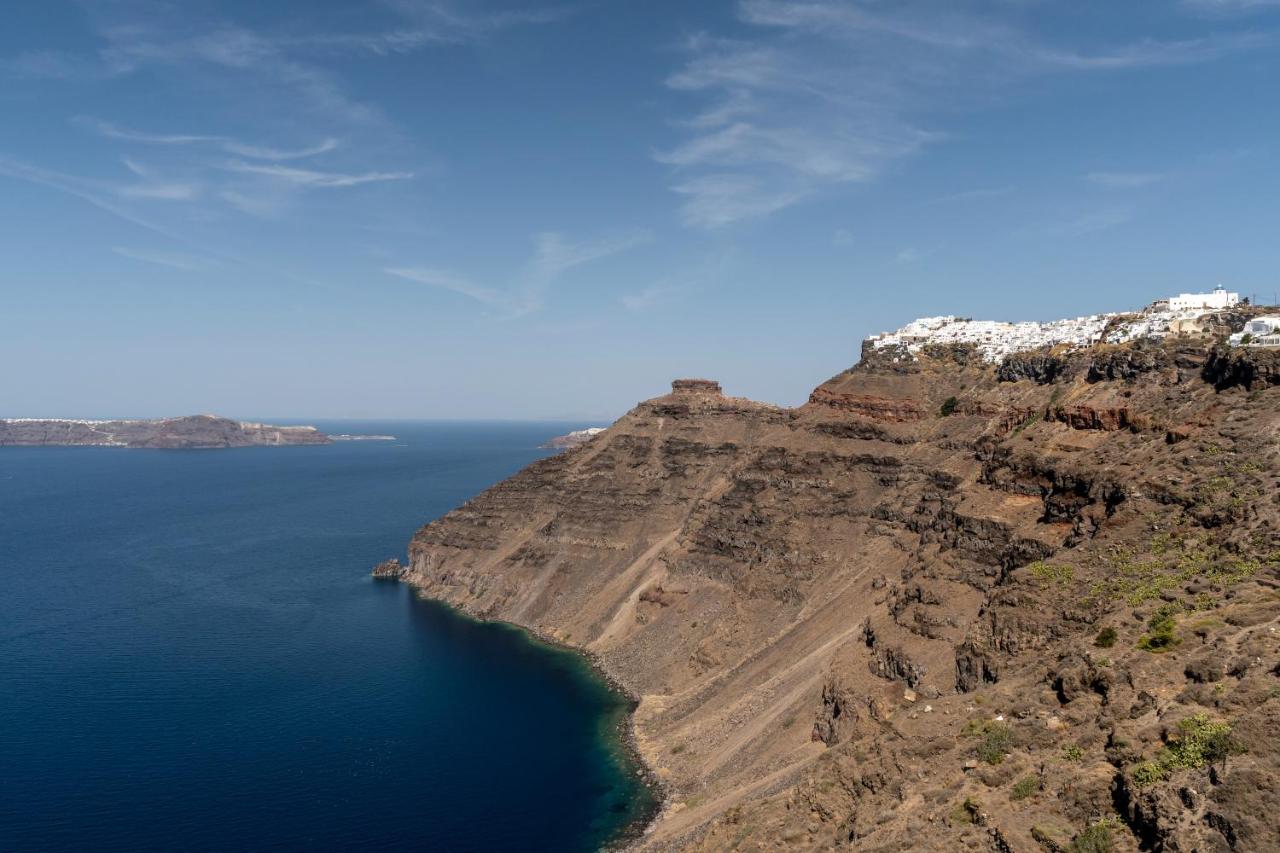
(193, 656)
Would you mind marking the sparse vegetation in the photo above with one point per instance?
(1073, 752)
(677, 749)
(1172, 562)
(967, 811)
(1106, 638)
(1024, 787)
(1160, 636)
(948, 406)
(1047, 573)
(1031, 420)
(1096, 838)
(996, 740)
(1201, 742)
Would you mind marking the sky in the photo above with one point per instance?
(484, 209)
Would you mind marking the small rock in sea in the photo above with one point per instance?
(390, 569)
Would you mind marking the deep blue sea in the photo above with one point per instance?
(193, 657)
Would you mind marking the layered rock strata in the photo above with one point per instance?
(944, 605)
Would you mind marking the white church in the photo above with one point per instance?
(1218, 300)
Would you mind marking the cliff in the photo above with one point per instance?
(944, 605)
(194, 431)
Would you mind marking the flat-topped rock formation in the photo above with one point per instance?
(191, 432)
(944, 605)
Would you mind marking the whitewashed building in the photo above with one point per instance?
(1181, 314)
(1219, 299)
(1262, 332)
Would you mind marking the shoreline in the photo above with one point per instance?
(639, 828)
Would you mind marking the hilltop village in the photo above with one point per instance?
(1184, 314)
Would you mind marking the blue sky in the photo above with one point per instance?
(410, 208)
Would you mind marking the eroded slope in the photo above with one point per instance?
(872, 621)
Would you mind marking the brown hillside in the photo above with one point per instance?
(880, 621)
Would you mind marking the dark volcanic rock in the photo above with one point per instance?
(1040, 366)
(1128, 363)
(1251, 367)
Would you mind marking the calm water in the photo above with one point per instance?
(192, 656)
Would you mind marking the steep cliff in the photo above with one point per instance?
(190, 432)
(943, 605)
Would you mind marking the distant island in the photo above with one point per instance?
(189, 432)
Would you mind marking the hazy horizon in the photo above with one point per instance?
(501, 210)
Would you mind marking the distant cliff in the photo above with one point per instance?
(190, 432)
(944, 605)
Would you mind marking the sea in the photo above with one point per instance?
(193, 656)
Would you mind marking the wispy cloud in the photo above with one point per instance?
(226, 143)
(43, 65)
(1089, 223)
(824, 93)
(101, 194)
(452, 282)
(553, 256)
(1124, 180)
(173, 260)
(312, 178)
(971, 195)
(429, 22)
(710, 271)
(911, 255)
(1230, 7)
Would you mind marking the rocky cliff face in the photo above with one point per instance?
(941, 606)
(195, 431)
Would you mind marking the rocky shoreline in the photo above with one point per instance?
(626, 735)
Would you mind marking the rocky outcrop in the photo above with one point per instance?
(869, 406)
(1249, 367)
(1126, 364)
(1040, 366)
(870, 620)
(192, 432)
(389, 569)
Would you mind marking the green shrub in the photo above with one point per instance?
(1160, 626)
(1024, 788)
(996, 743)
(1148, 773)
(1095, 839)
(1106, 638)
(1074, 752)
(948, 406)
(1201, 741)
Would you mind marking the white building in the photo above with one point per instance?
(1176, 315)
(1262, 332)
(1215, 301)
